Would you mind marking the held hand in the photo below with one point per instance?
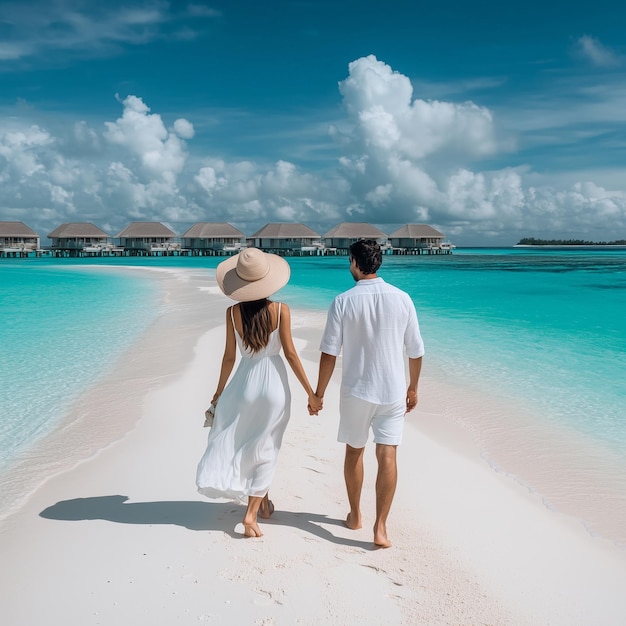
(316, 404)
(411, 400)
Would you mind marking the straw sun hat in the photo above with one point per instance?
(252, 275)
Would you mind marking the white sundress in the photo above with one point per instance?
(250, 420)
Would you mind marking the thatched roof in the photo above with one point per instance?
(284, 231)
(355, 230)
(210, 230)
(145, 229)
(77, 229)
(16, 229)
(416, 231)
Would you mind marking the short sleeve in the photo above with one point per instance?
(413, 342)
(332, 339)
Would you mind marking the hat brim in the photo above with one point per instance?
(245, 291)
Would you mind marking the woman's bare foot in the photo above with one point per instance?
(380, 537)
(252, 530)
(353, 522)
(267, 508)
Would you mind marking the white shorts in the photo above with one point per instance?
(357, 416)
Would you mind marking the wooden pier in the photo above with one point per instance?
(18, 253)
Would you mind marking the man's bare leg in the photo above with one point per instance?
(386, 482)
(353, 474)
(251, 528)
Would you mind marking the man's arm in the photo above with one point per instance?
(415, 367)
(327, 366)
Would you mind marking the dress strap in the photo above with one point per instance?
(279, 305)
(232, 315)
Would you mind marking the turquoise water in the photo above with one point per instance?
(60, 329)
(541, 328)
(544, 327)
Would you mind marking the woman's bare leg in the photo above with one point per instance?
(251, 528)
(267, 507)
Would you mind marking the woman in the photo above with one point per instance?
(253, 410)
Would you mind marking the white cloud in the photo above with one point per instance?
(24, 149)
(86, 137)
(386, 117)
(595, 52)
(409, 159)
(379, 195)
(400, 159)
(184, 129)
(144, 134)
(10, 51)
(479, 197)
(209, 180)
(200, 10)
(37, 29)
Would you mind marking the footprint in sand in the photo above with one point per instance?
(267, 598)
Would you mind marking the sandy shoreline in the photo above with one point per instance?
(123, 537)
(107, 410)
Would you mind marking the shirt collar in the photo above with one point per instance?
(369, 281)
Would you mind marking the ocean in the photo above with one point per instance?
(541, 333)
(60, 329)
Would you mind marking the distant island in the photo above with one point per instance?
(531, 241)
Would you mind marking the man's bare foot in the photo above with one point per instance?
(353, 522)
(380, 537)
(252, 530)
(266, 509)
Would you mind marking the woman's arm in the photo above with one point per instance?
(292, 356)
(228, 360)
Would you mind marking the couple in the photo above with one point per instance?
(373, 323)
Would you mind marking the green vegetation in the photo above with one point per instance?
(531, 241)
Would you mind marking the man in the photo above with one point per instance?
(374, 323)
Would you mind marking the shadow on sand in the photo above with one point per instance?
(191, 515)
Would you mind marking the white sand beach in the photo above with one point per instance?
(117, 533)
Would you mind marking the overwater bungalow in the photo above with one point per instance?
(17, 239)
(287, 239)
(148, 238)
(80, 238)
(339, 239)
(419, 239)
(213, 238)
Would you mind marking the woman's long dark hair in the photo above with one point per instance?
(256, 322)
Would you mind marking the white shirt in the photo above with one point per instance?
(375, 323)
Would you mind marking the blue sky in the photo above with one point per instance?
(490, 122)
